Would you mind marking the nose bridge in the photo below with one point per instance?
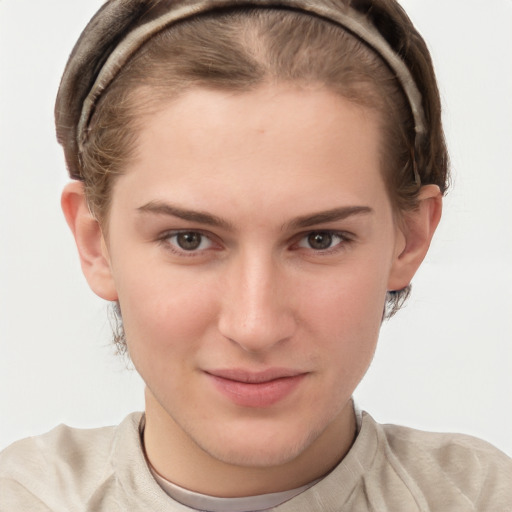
(257, 312)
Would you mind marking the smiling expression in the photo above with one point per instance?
(251, 242)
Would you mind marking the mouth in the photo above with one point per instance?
(255, 389)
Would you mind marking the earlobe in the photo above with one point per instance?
(89, 240)
(418, 229)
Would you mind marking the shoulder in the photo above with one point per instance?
(70, 460)
(443, 464)
(449, 452)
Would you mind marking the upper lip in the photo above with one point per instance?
(254, 377)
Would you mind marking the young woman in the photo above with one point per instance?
(254, 186)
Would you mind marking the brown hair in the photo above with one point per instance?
(242, 48)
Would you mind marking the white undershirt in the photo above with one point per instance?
(206, 503)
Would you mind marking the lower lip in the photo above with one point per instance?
(262, 394)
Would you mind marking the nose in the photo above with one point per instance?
(257, 308)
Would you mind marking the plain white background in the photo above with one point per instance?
(444, 363)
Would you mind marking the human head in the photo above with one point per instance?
(252, 237)
(237, 46)
(258, 166)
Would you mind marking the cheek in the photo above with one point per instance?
(165, 311)
(346, 312)
(351, 294)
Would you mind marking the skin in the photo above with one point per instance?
(255, 174)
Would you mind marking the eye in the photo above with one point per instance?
(188, 241)
(322, 240)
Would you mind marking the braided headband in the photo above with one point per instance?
(344, 15)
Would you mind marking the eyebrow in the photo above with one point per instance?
(161, 208)
(328, 216)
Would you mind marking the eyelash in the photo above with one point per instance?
(166, 241)
(343, 239)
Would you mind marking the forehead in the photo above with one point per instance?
(272, 144)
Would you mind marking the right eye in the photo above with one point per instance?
(187, 241)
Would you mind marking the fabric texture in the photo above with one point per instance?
(198, 501)
(343, 14)
(121, 27)
(389, 468)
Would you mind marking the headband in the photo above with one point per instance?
(131, 39)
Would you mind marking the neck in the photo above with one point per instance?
(175, 456)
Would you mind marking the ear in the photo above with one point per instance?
(89, 240)
(418, 227)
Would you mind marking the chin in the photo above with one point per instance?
(255, 455)
(259, 446)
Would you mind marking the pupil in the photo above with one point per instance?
(320, 240)
(189, 241)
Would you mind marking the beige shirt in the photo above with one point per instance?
(389, 468)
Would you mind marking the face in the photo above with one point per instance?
(251, 242)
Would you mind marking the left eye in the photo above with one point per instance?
(189, 241)
(321, 240)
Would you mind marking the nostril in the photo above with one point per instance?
(259, 333)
